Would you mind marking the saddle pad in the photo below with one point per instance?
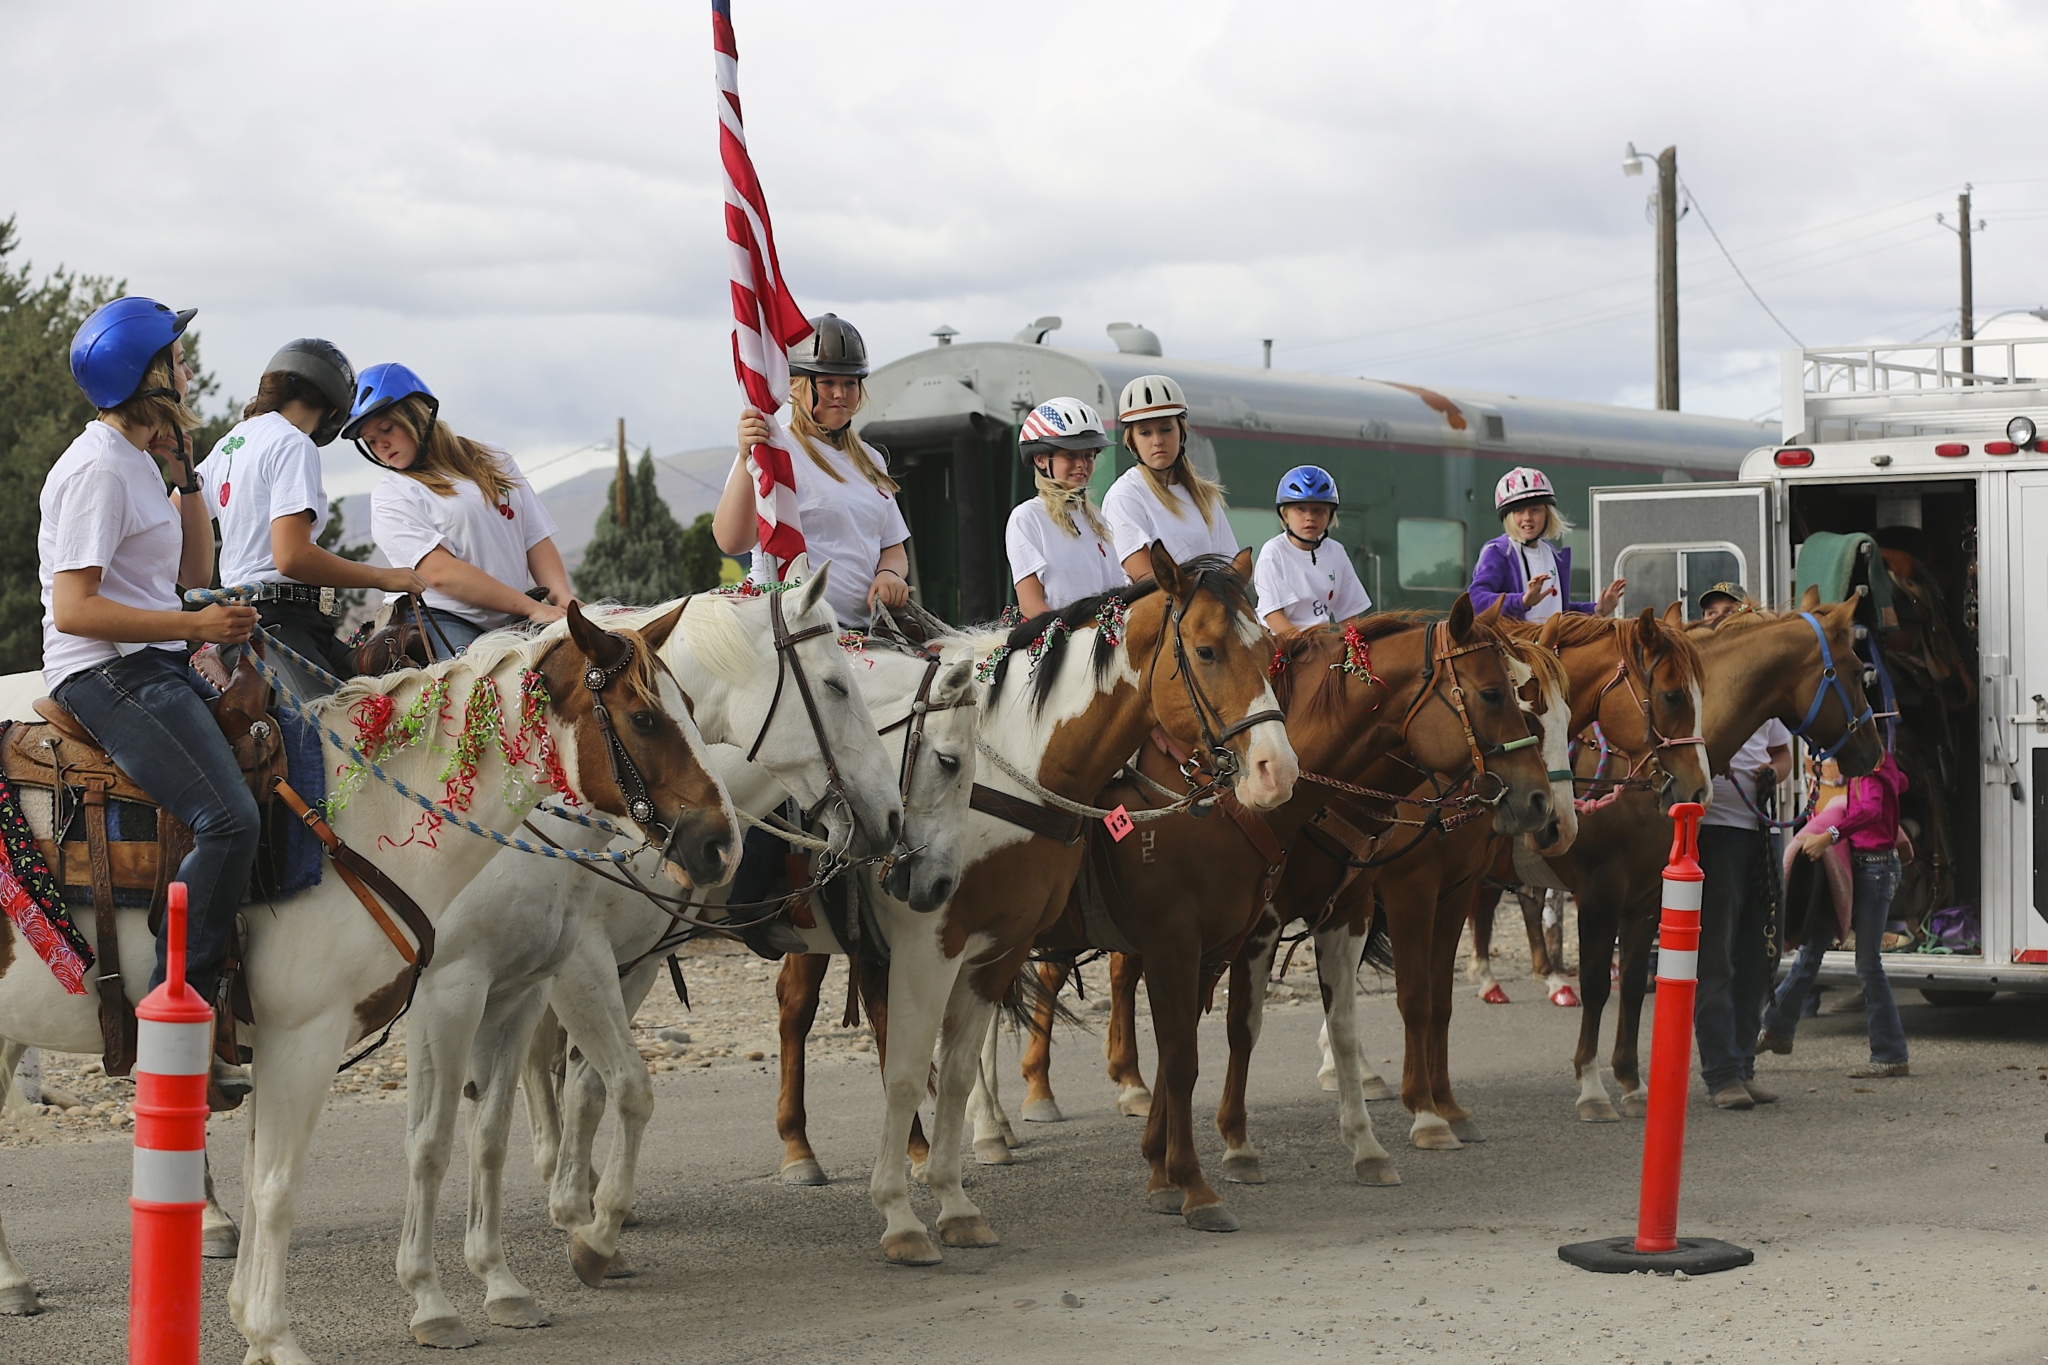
(1837, 563)
(29, 897)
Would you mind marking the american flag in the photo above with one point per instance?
(766, 320)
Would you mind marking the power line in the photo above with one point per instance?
(1708, 224)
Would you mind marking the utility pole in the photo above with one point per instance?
(620, 513)
(1962, 229)
(1268, 344)
(1667, 279)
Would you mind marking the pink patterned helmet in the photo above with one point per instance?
(1521, 485)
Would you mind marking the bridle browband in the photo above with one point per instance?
(1216, 733)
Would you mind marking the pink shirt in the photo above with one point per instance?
(1870, 820)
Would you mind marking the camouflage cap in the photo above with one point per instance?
(1732, 591)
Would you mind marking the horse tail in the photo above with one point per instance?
(1379, 944)
(1026, 995)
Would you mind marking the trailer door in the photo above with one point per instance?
(2024, 704)
(1674, 541)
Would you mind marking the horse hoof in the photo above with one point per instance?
(1212, 1218)
(1465, 1130)
(1327, 1079)
(520, 1312)
(973, 1231)
(1242, 1168)
(1565, 998)
(1635, 1103)
(1168, 1200)
(1376, 1089)
(20, 1301)
(1434, 1136)
(1134, 1102)
(631, 1220)
(1494, 995)
(805, 1171)
(446, 1334)
(1375, 1170)
(909, 1248)
(993, 1151)
(619, 1268)
(221, 1243)
(1043, 1111)
(587, 1261)
(1597, 1111)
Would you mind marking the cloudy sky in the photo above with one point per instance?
(522, 200)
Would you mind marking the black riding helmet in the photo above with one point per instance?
(833, 347)
(322, 365)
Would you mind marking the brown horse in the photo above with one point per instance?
(1758, 665)
(1184, 901)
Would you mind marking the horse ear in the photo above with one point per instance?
(657, 631)
(1461, 618)
(1241, 563)
(1648, 634)
(1166, 573)
(1810, 599)
(599, 645)
(954, 683)
(1552, 628)
(1491, 616)
(1674, 615)
(812, 590)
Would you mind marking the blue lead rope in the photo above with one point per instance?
(297, 707)
(1831, 681)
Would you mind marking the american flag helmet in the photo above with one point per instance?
(1520, 485)
(1060, 424)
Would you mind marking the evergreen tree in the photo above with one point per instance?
(652, 559)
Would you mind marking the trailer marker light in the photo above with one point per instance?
(1795, 458)
(2020, 431)
(1948, 450)
(2000, 448)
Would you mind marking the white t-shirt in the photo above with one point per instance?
(1069, 568)
(1137, 518)
(847, 522)
(264, 469)
(1728, 808)
(409, 521)
(1541, 558)
(1311, 588)
(104, 506)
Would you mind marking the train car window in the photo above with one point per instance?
(1429, 553)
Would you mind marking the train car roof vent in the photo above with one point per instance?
(1132, 339)
(1496, 427)
(1037, 332)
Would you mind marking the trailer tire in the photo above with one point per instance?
(1949, 997)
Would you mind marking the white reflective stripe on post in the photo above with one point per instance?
(1681, 895)
(170, 1177)
(1677, 966)
(174, 1049)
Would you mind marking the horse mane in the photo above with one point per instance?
(1210, 573)
(491, 652)
(1576, 628)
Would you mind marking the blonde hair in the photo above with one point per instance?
(1207, 493)
(1061, 502)
(805, 428)
(1554, 525)
(170, 416)
(445, 457)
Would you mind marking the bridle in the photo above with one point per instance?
(921, 708)
(625, 772)
(788, 664)
(1443, 650)
(1222, 762)
(1654, 740)
(1830, 681)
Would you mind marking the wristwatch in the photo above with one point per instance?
(1834, 835)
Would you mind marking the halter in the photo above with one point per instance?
(625, 772)
(1442, 651)
(921, 708)
(789, 663)
(1830, 681)
(1222, 761)
(1655, 741)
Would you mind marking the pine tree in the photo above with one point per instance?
(653, 559)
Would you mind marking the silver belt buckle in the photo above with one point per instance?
(327, 603)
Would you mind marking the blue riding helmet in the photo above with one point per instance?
(112, 349)
(377, 388)
(1305, 483)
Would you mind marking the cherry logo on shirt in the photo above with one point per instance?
(224, 492)
(505, 511)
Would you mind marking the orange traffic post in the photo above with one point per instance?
(1657, 1245)
(168, 1199)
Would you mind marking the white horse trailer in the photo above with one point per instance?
(1942, 440)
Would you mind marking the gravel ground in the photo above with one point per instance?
(1891, 1221)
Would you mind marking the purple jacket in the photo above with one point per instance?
(1498, 575)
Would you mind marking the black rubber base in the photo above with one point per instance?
(1618, 1256)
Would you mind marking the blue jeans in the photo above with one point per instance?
(1734, 971)
(148, 711)
(1876, 879)
(458, 632)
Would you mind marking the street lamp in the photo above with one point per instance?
(1666, 201)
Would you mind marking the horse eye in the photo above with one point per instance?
(950, 762)
(836, 687)
(1490, 695)
(646, 722)
(1673, 698)
(1205, 654)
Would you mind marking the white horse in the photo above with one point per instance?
(322, 975)
(519, 929)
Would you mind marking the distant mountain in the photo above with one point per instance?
(689, 483)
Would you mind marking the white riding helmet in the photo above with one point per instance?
(1521, 485)
(1149, 396)
(1060, 424)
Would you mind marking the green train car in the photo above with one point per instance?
(1416, 466)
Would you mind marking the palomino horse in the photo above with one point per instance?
(519, 930)
(321, 974)
(1185, 899)
(1798, 666)
(1181, 651)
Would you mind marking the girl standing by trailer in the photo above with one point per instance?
(114, 548)
(1525, 570)
(457, 513)
(846, 501)
(1164, 497)
(1304, 578)
(262, 484)
(1060, 547)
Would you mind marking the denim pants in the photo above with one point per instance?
(300, 627)
(148, 712)
(1876, 879)
(457, 631)
(1734, 968)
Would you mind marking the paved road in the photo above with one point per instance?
(1898, 1224)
